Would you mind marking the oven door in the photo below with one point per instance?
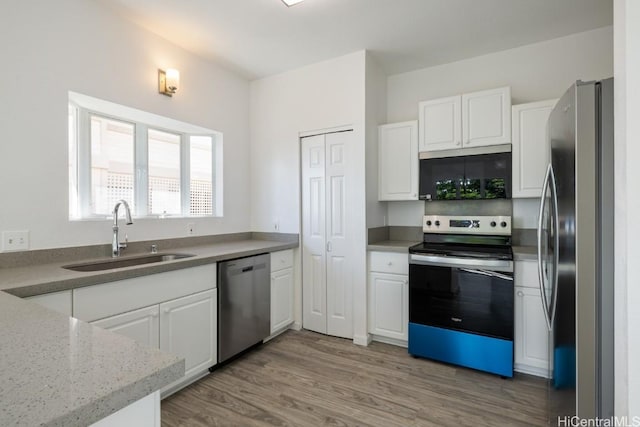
(469, 295)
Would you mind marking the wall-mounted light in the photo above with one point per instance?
(168, 81)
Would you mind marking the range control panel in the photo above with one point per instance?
(491, 225)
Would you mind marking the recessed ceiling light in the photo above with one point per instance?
(290, 3)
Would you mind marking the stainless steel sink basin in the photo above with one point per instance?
(124, 262)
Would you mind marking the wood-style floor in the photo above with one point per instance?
(307, 379)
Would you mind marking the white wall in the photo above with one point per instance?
(535, 72)
(50, 48)
(376, 113)
(320, 96)
(627, 207)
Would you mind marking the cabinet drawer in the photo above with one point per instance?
(389, 262)
(526, 274)
(281, 259)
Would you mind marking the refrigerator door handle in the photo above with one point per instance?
(556, 243)
(543, 200)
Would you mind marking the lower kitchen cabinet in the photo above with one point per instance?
(175, 311)
(389, 297)
(281, 290)
(188, 328)
(56, 301)
(142, 325)
(531, 334)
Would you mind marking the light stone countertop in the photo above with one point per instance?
(401, 246)
(59, 371)
(40, 279)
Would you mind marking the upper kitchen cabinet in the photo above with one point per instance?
(530, 147)
(465, 121)
(398, 161)
(440, 123)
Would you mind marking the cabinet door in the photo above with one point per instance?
(398, 161)
(531, 335)
(530, 147)
(486, 117)
(56, 301)
(440, 124)
(141, 325)
(188, 328)
(389, 305)
(281, 299)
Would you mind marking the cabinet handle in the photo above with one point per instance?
(154, 315)
(390, 263)
(520, 293)
(406, 282)
(167, 310)
(328, 246)
(458, 143)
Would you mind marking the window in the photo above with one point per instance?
(160, 166)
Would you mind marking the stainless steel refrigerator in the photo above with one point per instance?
(575, 253)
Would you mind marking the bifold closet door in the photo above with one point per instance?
(327, 290)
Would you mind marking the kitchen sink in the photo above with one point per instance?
(124, 262)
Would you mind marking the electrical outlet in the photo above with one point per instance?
(191, 229)
(15, 240)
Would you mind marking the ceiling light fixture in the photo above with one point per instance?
(290, 3)
(168, 81)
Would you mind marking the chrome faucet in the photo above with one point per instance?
(116, 246)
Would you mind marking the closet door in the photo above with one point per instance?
(339, 289)
(314, 308)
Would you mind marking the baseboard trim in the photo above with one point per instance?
(363, 340)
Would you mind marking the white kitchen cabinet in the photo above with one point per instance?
(465, 121)
(142, 325)
(531, 341)
(188, 328)
(141, 413)
(281, 290)
(329, 221)
(175, 311)
(56, 301)
(440, 124)
(389, 297)
(530, 148)
(398, 161)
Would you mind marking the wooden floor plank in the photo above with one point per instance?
(307, 379)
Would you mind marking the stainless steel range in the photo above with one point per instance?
(461, 292)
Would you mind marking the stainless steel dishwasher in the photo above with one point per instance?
(244, 304)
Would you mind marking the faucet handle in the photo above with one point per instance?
(126, 241)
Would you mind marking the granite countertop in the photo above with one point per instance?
(44, 278)
(525, 253)
(59, 371)
(392, 246)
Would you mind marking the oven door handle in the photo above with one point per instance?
(440, 261)
(488, 273)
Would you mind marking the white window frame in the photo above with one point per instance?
(142, 121)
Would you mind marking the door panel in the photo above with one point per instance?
(314, 311)
(339, 322)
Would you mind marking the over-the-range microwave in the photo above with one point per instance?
(466, 174)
